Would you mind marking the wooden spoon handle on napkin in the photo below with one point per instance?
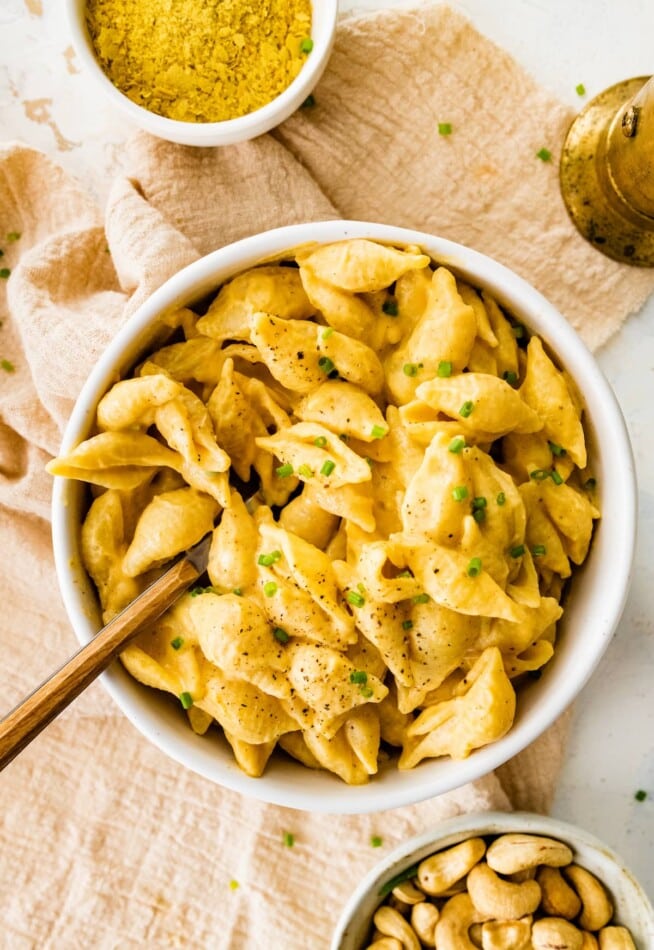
(34, 713)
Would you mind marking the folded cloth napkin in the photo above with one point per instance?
(108, 843)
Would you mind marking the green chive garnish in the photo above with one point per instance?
(389, 307)
(474, 566)
(517, 551)
(360, 677)
(7, 366)
(518, 331)
(420, 599)
(355, 598)
(501, 499)
(410, 369)
(459, 493)
(369, 461)
(544, 154)
(366, 691)
(405, 573)
(538, 550)
(466, 408)
(4, 272)
(13, 236)
(267, 559)
(479, 514)
(327, 467)
(444, 128)
(186, 700)
(580, 89)
(378, 432)
(196, 591)
(284, 470)
(177, 642)
(539, 474)
(238, 591)
(479, 502)
(407, 624)
(270, 588)
(306, 471)
(288, 839)
(325, 365)
(557, 450)
(309, 102)
(327, 332)
(400, 878)
(556, 478)
(457, 444)
(444, 369)
(280, 635)
(320, 441)
(640, 795)
(376, 841)
(306, 45)
(510, 377)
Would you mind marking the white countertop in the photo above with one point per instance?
(46, 102)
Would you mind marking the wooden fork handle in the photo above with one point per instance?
(34, 713)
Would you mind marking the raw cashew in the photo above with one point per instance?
(555, 933)
(424, 918)
(596, 908)
(516, 852)
(615, 938)
(589, 941)
(452, 929)
(506, 935)
(442, 870)
(559, 899)
(503, 900)
(392, 924)
(385, 943)
(408, 893)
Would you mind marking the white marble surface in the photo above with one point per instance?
(46, 102)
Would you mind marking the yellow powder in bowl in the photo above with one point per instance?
(200, 60)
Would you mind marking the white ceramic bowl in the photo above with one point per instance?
(632, 908)
(597, 591)
(230, 131)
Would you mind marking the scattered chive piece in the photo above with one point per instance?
(590, 483)
(539, 474)
(405, 573)
(306, 45)
(444, 128)
(234, 885)
(369, 461)
(420, 599)
(479, 502)
(479, 514)
(4, 272)
(288, 839)
(284, 470)
(325, 364)
(270, 588)
(466, 408)
(360, 677)
(457, 444)
(196, 591)
(400, 878)
(544, 154)
(557, 450)
(556, 478)
(474, 566)
(177, 642)
(320, 441)
(410, 369)
(238, 591)
(640, 795)
(13, 236)
(376, 841)
(518, 331)
(327, 332)
(309, 102)
(580, 89)
(280, 635)
(390, 307)
(459, 493)
(306, 471)
(501, 499)
(510, 377)
(267, 559)
(378, 432)
(328, 467)
(444, 369)
(186, 700)
(354, 598)
(517, 551)
(7, 366)
(407, 624)
(366, 691)
(538, 550)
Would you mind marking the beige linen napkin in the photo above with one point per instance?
(106, 843)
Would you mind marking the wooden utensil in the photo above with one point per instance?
(34, 713)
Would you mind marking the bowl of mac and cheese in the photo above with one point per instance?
(401, 450)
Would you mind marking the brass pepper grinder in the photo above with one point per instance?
(607, 172)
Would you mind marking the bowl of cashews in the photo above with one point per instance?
(498, 881)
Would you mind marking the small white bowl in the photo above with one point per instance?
(230, 131)
(597, 592)
(632, 908)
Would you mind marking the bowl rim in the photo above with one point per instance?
(226, 131)
(272, 244)
(452, 830)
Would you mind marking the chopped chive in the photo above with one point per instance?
(544, 154)
(510, 377)
(538, 550)
(376, 841)
(410, 369)
(186, 700)
(177, 642)
(479, 502)
(444, 128)
(7, 366)
(518, 331)
(590, 483)
(270, 588)
(556, 478)
(234, 885)
(354, 598)
(4, 272)
(306, 471)
(328, 467)
(284, 470)
(306, 45)
(501, 499)
(459, 493)
(13, 236)
(405, 573)
(196, 591)
(309, 102)
(238, 591)
(407, 624)
(390, 307)
(280, 635)
(517, 551)
(360, 677)
(366, 691)
(320, 441)
(400, 878)
(557, 450)
(378, 432)
(444, 369)
(325, 364)
(466, 408)
(288, 839)
(580, 89)
(267, 559)
(457, 444)
(327, 332)
(539, 474)
(369, 461)
(479, 514)
(474, 566)
(640, 795)
(420, 599)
